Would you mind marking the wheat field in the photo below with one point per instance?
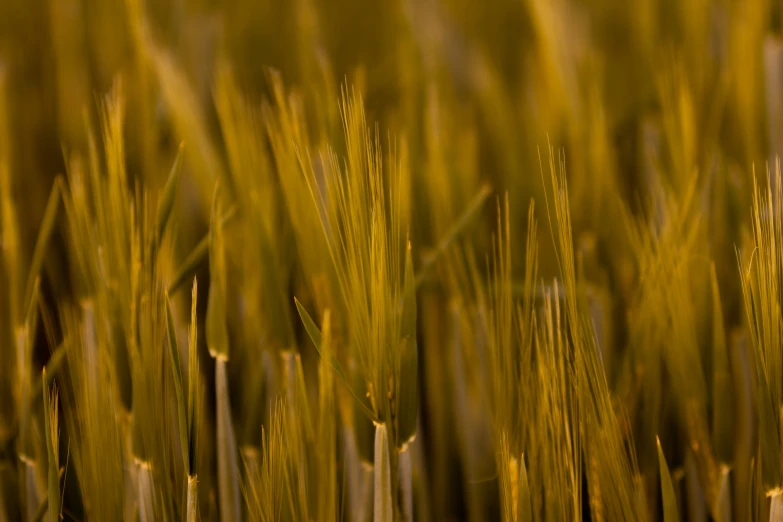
(400, 260)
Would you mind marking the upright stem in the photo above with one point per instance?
(145, 491)
(228, 466)
(697, 508)
(776, 507)
(33, 498)
(383, 509)
(513, 469)
(406, 485)
(192, 502)
(723, 509)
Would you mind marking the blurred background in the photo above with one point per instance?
(637, 99)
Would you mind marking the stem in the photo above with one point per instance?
(32, 495)
(383, 509)
(144, 484)
(723, 507)
(43, 509)
(513, 469)
(406, 485)
(697, 509)
(365, 495)
(359, 478)
(228, 467)
(129, 467)
(192, 502)
(776, 507)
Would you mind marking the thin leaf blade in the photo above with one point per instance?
(670, 513)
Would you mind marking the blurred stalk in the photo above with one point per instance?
(435, 394)
(52, 435)
(146, 494)
(744, 443)
(32, 495)
(697, 507)
(192, 499)
(406, 485)
(513, 471)
(129, 469)
(724, 510)
(228, 468)
(382, 506)
(776, 507)
(420, 482)
(358, 478)
(670, 512)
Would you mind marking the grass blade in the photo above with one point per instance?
(722, 390)
(326, 441)
(31, 319)
(408, 391)
(310, 327)
(217, 332)
(177, 374)
(315, 337)
(166, 202)
(193, 406)
(670, 513)
(53, 364)
(52, 431)
(406, 484)
(769, 440)
(302, 404)
(228, 468)
(459, 225)
(45, 233)
(194, 387)
(25, 339)
(524, 509)
(196, 257)
(40, 512)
